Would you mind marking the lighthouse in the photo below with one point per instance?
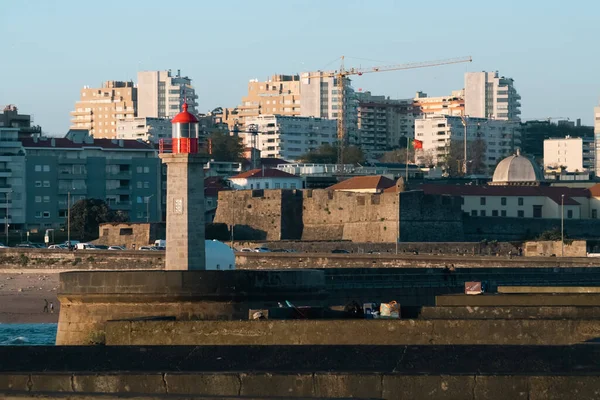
(185, 195)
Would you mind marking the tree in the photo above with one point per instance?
(88, 214)
(398, 156)
(224, 147)
(453, 161)
(328, 154)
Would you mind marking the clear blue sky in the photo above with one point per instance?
(50, 49)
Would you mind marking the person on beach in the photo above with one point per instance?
(51, 308)
(45, 306)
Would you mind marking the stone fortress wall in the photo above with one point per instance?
(335, 215)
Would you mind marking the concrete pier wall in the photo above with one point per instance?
(352, 332)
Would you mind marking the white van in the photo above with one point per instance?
(160, 243)
(84, 246)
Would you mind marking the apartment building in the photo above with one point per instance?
(278, 136)
(597, 139)
(127, 174)
(12, 180)
(146, 129)
(161, 94)
(99, 109)
(321, 99)
(383, 123)
(488, 95)
(441, 105)
(437, 131)
(569, 154)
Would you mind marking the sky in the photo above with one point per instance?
(51, 49)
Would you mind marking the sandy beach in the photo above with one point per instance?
(22, 296)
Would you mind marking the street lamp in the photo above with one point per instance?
(148, 208)
(464, 120)
(69, 219)
(6, 218)
(562, 225)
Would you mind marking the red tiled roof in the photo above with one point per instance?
(263, 173)
(65, 143)
(552, 192)
(364, 182)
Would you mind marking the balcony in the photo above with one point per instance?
(73, 191)
(119, 175)
(120, 205)
(5, 172)
(119, 190)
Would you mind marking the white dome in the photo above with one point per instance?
(517, 170)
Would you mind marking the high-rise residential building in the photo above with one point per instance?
(161, 94)
(144, 128)
(501, 138)
(11, 118)
(572, 154)
(441, 105)
(12, 179)
(383, 123)
(597, 139)
(488, 95)
(320, 98)
(99, 108)
(286, 137)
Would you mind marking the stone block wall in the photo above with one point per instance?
(130, 235)
(547, 248)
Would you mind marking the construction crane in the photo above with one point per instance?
(340, 78)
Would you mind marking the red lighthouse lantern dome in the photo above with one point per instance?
(185, 132)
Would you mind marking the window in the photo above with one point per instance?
(278, 186)
(146, 185)
(503, 201)
(146, 170)
(569, 213)
(38, 183)
(285, 185)
(139, 200)
(503, 213)
(494, 213)
(126, 231)
(482, 201)
(46, 168)
(139, 170)
(38, 168)
(46, 214)
(46, 183)
(251, 186)
(258, 185)
(104, 232)
(473, 213)
(482, 212)
(266, 185)
(139, 184)
(46, 199)
(537, 211)
(520, 201)
(292, 186)
(520, 213)
(38, 214)
(594, 214)
(38, 199)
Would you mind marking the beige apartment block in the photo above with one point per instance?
(279, 95)
(99, 108)
(441, 105)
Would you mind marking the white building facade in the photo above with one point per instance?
(287, 137)
(488, 95)
(161, 94)
(436, 132)
(266, 179)
(570, 154)
(146, 129)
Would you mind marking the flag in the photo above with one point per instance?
(417, 144)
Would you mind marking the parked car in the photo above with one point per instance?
(26, 246)
(85, 246)
(73, 243)
(246, 250)
(57, 247)
(340, 251)
(3, 246)
(116, 248)
(147, 248)
(279, 251)
(262, 250)
(100, 247)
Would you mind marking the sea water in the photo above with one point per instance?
(27, 334)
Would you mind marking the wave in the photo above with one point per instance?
(15, 341)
